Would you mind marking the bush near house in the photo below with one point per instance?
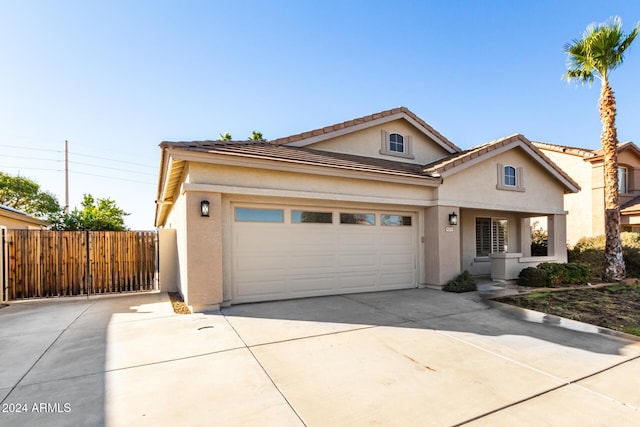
(462, 283)
(552, 275)
(590, 251)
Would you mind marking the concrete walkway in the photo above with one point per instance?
(413, 357)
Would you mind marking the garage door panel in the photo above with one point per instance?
(305, 284)
(355, 261)
(403, 261)
(263, 287)
(358, 282)
(396, 279)
(292, 260)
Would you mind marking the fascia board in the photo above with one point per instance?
(366, 125)
(506, 148)
(300, 167)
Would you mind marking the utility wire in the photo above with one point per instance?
(31, 158)
(111, 177)
(115, 169)
(39, 169)
(113, 160)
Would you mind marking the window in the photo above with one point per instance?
(623, 181)
(396, 143)
(395, 220)
(510, 176)
(361, 219)
(491, 236)
(311, 217)
(259, 215)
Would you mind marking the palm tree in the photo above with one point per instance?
(226, 137)
(596, 55)
(256, 136)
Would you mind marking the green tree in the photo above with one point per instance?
(96, 215)
(600, 51)
(256, 136)
(226, 137)
(22, 193)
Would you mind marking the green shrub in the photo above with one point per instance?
(553, 275)
(462, 283)
(533, 277)
(590, 251)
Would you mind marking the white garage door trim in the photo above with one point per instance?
(275, 254)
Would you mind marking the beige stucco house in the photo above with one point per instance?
(586, 208)
(14, 219)
(377, 203)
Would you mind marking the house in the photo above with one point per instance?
(376, 203)
(586, 209)
(12, 218)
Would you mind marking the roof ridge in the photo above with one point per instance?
(360, 120)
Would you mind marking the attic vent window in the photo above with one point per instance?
(510, 178)
(396, 144)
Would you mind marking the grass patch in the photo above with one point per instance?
(615, 307)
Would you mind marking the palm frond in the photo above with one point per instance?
(599, 52)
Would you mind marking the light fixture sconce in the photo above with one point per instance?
(453, 218)
(204, 208)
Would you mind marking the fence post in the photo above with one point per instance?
(88, 267)
(4, 265)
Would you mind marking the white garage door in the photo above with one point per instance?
(280, 253)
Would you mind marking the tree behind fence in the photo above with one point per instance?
(43, 263)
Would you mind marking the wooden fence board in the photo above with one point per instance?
(44, 263)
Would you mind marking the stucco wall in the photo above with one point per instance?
(578, 205)
(475, 187)
(13, 223)
(319, 186)
(368, 143)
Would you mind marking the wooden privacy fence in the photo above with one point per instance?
(43, 263)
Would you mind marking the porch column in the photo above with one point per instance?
(557, 232)
(203, 251)
(525, 237)
(442, 245)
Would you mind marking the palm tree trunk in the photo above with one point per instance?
(614, 268)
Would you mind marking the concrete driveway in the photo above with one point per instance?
(413, 357)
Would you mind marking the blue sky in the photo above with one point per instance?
(116, 78)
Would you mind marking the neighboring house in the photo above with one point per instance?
(12, 218)
(586, 209)
(377, 203)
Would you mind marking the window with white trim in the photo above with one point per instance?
(623, 180)
(396, 144)
(510, 178)
(492, 236)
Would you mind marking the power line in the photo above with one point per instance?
(115, 169)
(30, 148)
(77, 154)
(31, 158)
(112, 160)
(40, 169)
(111, 177)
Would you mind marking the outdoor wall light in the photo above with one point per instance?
(204, 208)
(453, 218)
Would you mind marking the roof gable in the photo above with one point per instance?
(365, 122)
(468, 158)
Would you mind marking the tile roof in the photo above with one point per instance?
(455, 160)
(301, 155)
(631, 207)
(361, 120)
(576, 151)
